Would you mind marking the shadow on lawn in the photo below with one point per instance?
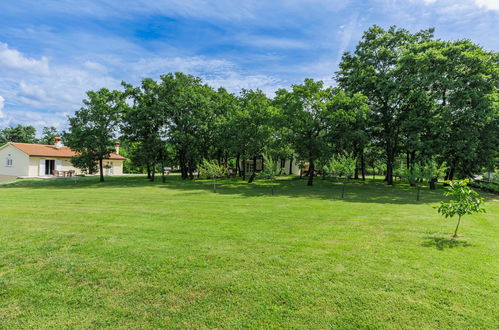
(442, 243)
(370, 191)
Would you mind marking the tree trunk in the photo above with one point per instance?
(311, 170)
(153, 172)
(191, 173)
(101, 167)
(356, 172)
(291, 166)
(149, 171)
(253, 175)
(363, 166)
(389, 167)
(458, 222)
(238, 166)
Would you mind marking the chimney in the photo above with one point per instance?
(57, 142)
(117, 147)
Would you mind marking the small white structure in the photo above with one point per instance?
(40, 160)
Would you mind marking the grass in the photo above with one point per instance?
(132, 254)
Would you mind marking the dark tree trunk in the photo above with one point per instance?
(389, 169)
(101, 168)
(253, 175)
(149, 171)
(450, 174)
(291, 166)
(363, 165)
(238, 166)
(153, 172)
(191, 173)
(356, 172)
(432, 183)
(311, 170)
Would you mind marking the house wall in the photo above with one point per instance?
(66, 165)
(34, 165)
(20, 161)
(116, 167)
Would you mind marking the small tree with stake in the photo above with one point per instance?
(465, 202)
(424, 172)
(212, 170)
(342, 166)
(270, 171)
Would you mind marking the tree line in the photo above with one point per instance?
(402, 102)
(27, 134)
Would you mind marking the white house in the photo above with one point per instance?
(40, 160)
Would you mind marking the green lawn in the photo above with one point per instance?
(132, 254)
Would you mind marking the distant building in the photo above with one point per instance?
(40, 160)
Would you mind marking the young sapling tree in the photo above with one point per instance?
(465, 201)
(270, 170)
(212, 170)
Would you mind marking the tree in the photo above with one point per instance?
(188, 105)
(306, 114)
(373, 71)
(342, 166)
(423, 172)
(92, 129)
(460, 80)
(19, 133)
(213, 170)
(144, 122)
(257, 116)
(314, 116)
(465, 202)
(49, 134)
(270, 171)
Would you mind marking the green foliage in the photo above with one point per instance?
(49, 134)
(93, 128)
(464, 201)
(341, 166)
(211, 169)
(270, 168)
(19, 133)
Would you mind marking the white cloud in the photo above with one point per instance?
(488, 4)
(463, 5)
(57, 90)
(12, 59)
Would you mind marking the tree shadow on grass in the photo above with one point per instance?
(370, 191)
(446, 242)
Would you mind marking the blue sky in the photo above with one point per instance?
(51, 52)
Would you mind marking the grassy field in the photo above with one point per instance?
(132, 254)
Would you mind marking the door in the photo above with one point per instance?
(49, 166)
(41, 169)
(58, 165)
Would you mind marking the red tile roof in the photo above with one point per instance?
(44, 150)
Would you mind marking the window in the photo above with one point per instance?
(9, 162)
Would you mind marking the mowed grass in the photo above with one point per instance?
(128, 253)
